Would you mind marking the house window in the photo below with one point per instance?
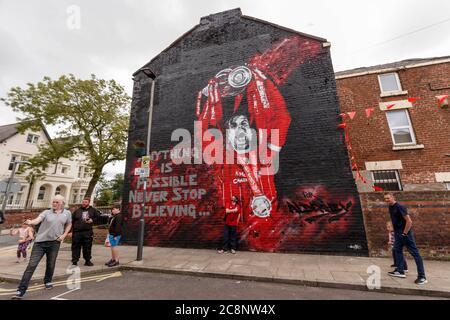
(14, 158)
(75, 196)
(388, 180)
(41, 193)
(57, 191)
(447, 185)
(32, 138)
(80, 172)
(82, 193)
(19, 196)
(21, 166)
(64, 170)
(401, 128)
(389, 83)
(10, 199)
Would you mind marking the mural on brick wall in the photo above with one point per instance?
(236, 147)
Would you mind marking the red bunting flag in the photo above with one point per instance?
(413, 99)
(342, 125)
(442, 98)
(343, 115)
(351, 114)
(377, 188)
(389, 107)
(369, 112)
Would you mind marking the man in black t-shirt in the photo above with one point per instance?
(82, 234)
(404, 236)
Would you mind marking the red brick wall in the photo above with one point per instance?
(430, 212)
(15, 218)
(371, 139)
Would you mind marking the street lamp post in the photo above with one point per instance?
(8, 185)
(140, 248)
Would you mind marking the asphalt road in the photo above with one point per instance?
(132, 285)
(7, 240)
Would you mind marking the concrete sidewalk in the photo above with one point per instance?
(302, 269)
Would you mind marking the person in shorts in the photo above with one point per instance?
(115, 233)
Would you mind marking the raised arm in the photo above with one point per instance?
(36, 221)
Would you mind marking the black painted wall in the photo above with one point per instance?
(314, 170)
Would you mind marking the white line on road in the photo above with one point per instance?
(97, 278)
(58, 296)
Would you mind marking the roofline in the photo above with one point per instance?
(384, 70)
(16, 124)
(242, 16)
(285, 28)
(166, 49)
(12, 135)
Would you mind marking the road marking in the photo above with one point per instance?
(96, 278)
(58, 296)
(112, 275)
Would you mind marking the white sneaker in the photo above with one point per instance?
(396, 274)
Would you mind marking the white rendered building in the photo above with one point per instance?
(69, 178)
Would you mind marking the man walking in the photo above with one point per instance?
(55, 225)
(82, 234)
(404, 236)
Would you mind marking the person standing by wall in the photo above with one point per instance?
(403, 237)
(82, 234)
(232, 216)
(55, 224)
(115, 233)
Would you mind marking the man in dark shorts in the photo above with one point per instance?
(404, 237)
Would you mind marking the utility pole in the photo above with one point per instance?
(140, 248)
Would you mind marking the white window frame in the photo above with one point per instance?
(75, 195)
(34, 138)
(447, 185)
(11, 161)
(397, 176)
(66, 168)
(410, 127)
(43, 194)
(398, 84)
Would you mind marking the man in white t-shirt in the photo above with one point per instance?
(55, 225)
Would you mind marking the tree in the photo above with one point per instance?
(109, 191)
(91, 117)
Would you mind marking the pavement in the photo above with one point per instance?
(341, 272)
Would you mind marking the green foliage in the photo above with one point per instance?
(91, 117)
(109, 191)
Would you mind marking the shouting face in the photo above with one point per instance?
(239, 133)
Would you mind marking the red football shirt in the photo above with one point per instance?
(232, 218)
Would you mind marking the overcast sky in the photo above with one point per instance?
(115, 38)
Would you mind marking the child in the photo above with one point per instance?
(115, 233)
(26, 235)
(390, 229)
